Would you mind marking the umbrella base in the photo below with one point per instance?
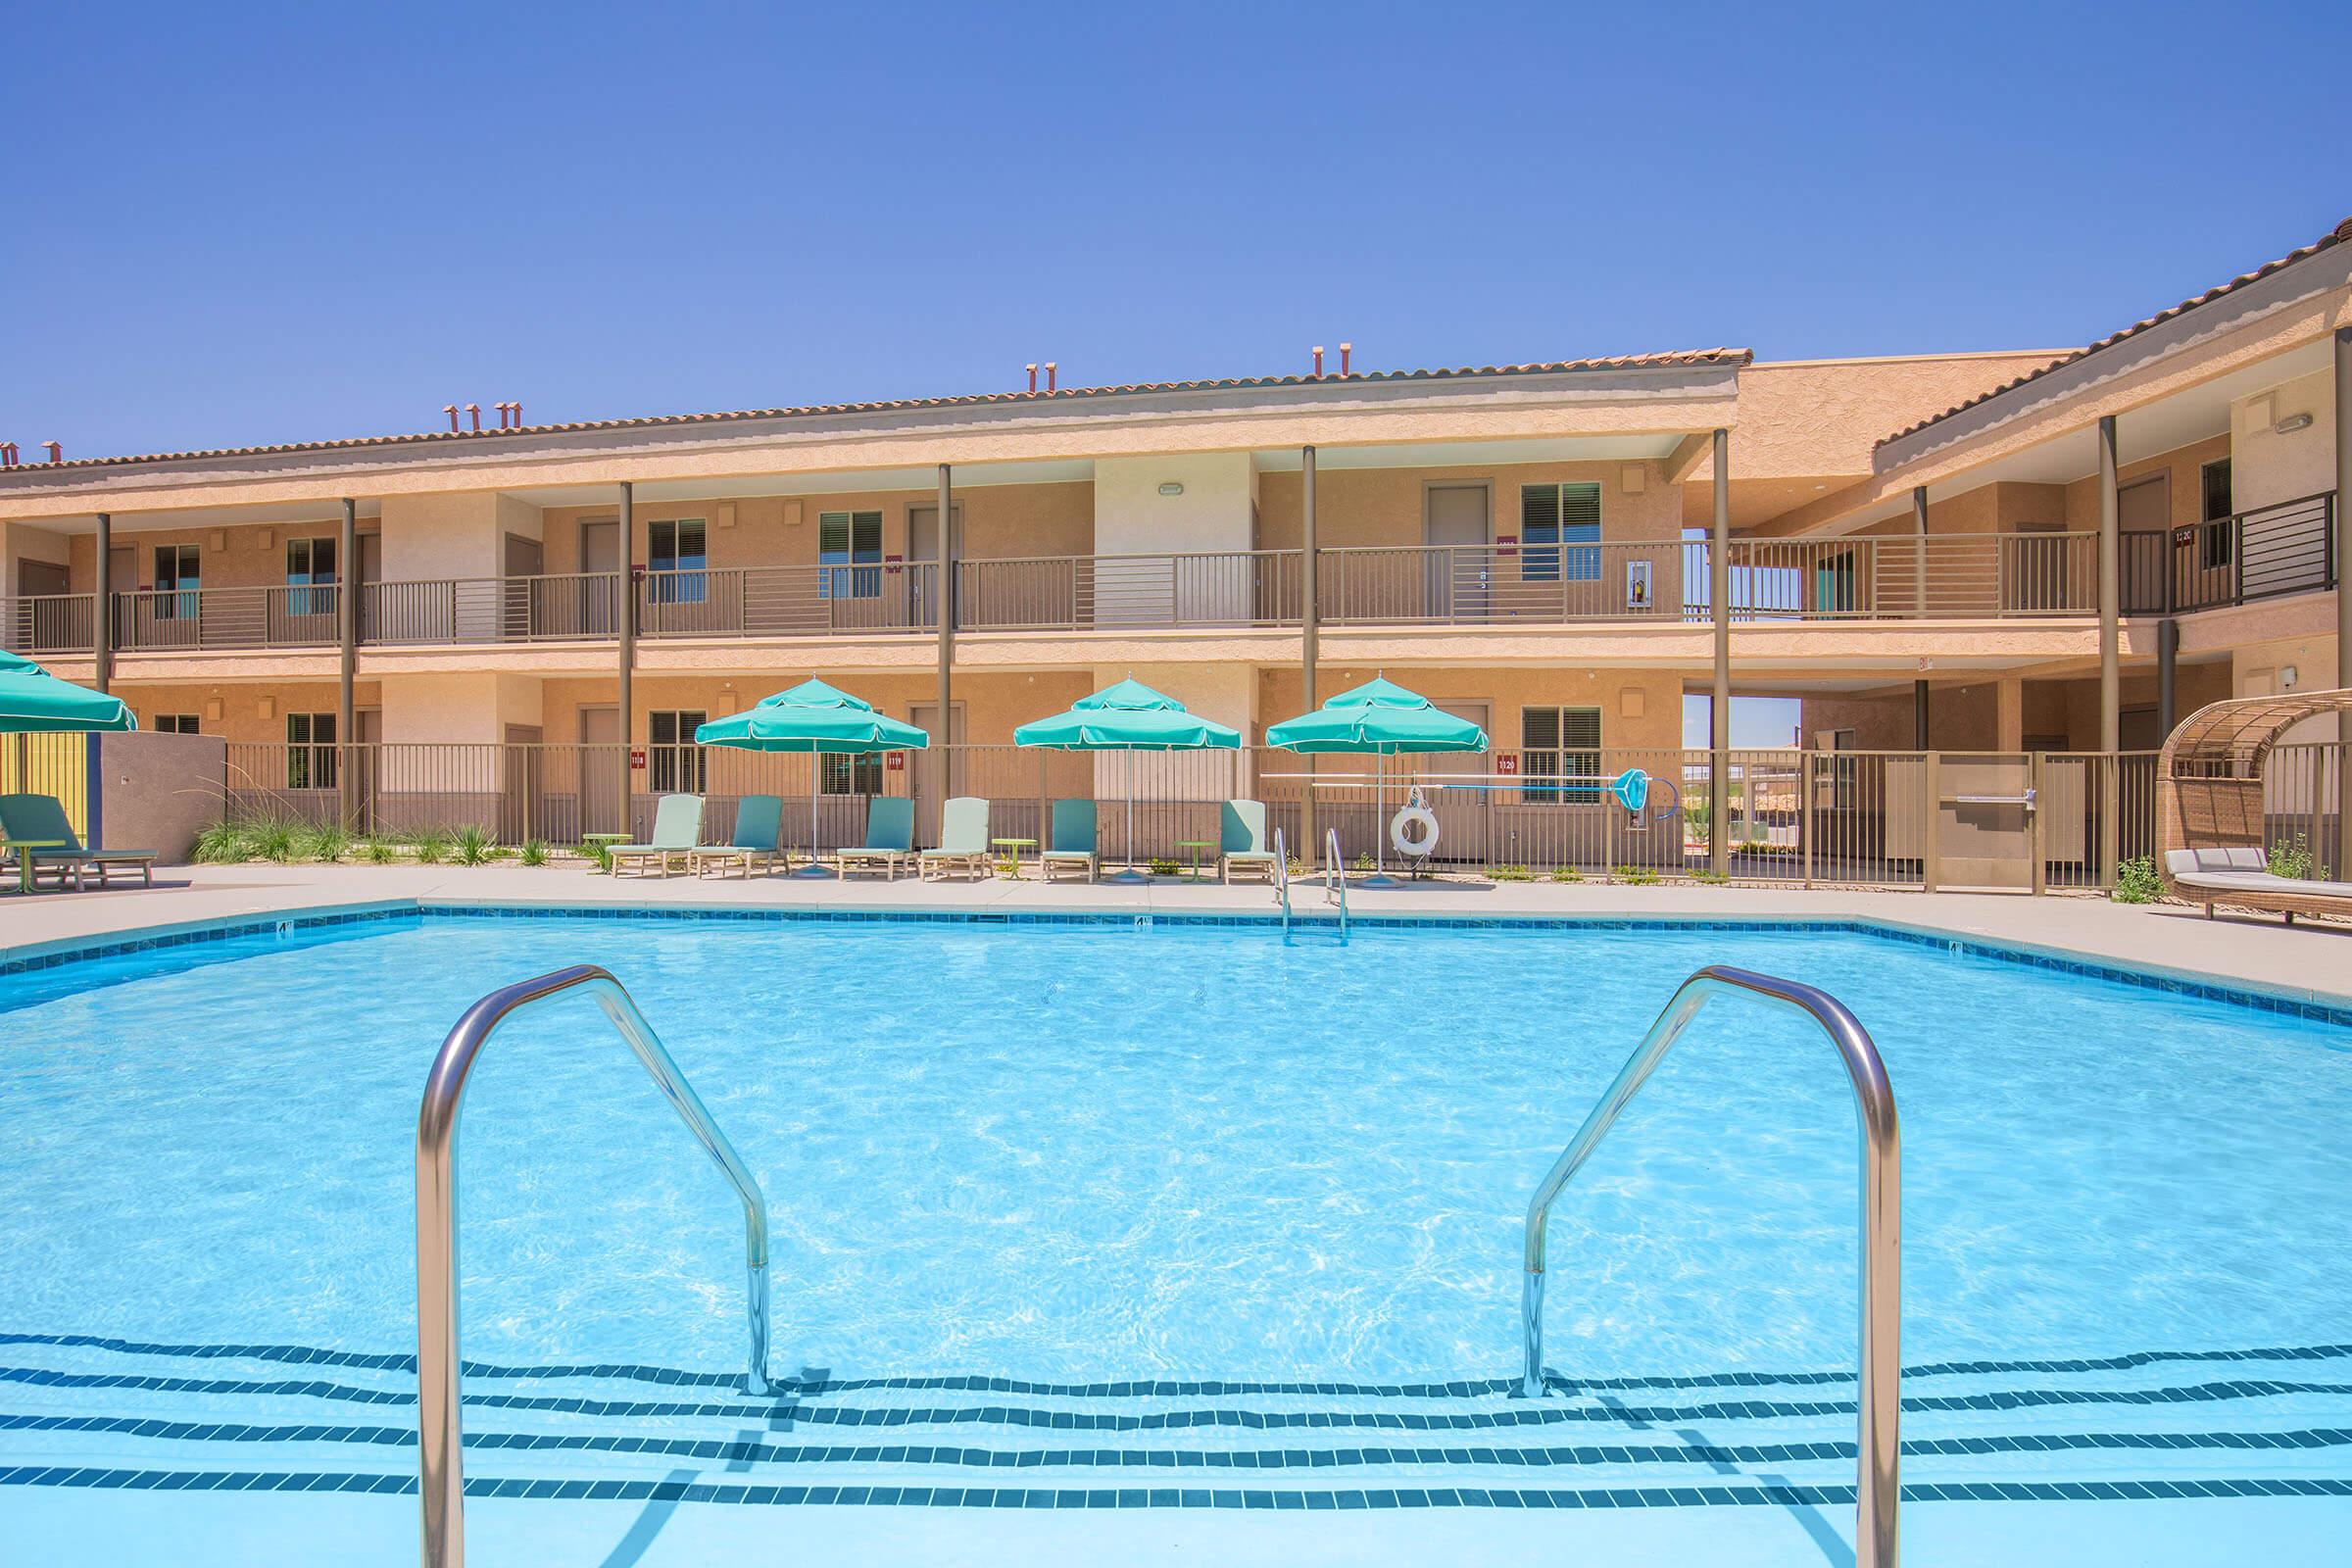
(1130, 877)
(813, 871)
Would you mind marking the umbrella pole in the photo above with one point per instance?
(1131, 809)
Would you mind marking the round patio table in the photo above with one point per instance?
(1016, 845)
(24, 862)
(1195, 846)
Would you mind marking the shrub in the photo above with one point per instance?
(1566, 873)
(275, 840)
(327, 843)
(1713, 879)
(1362, 862)
(2137, 881)
(1166, 867)
(1637, 876)
(378, 850)
(1509, 874)
(224, 842)
(534, 852)
(473, 846)
(2295, 859)
(433, 845)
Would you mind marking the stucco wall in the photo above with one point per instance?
(159, 791)
(2267, 467)
(240, 711)
(1214, 512)
(427, 537)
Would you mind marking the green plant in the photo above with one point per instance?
(534, 852)
(2295, 859)
(224, 842)
(1006, 865)
(1713, 879)
(1566, 873)
(378, 850)
(473, 846)
(1509, 874)
(433, 845)
(326, 843)
(2137, 881)
(603, 860)
(274, 839)
(1362, 862)
(1633, 876)
(1166, 867)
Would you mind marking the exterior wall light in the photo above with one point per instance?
(2291, 423)
(1172, 488)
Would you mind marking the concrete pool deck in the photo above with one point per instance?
(2307, 961)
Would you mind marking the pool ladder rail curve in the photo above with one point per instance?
(442, 1485)
(1335, 879)
(1879, 1439)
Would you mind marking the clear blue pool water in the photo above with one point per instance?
(1059, 1156)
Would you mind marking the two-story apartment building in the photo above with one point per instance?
(2013, 553)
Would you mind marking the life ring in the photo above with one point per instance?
(1414, 832)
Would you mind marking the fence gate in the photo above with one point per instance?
(1982, 811)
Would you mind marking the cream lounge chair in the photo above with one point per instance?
(1070, 844)
(889, 838)
(27, 819)
(962, 840)
(1241, 832)
(677, 829)
(757, 820)
(2241, 875)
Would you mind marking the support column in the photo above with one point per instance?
(1920, 729)
(946, 606)
(626, 621)
(2111, 680)
(2343, 594)
(347, 636)
(1309, 633)
(2168, 659)
(1919, 569)
(101, 606)
(1719, 599)
(2009, 714)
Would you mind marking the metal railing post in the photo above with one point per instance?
(1878, 1494)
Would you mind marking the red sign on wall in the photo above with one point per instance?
(895, 762)
(636, 759)
(1506, 762)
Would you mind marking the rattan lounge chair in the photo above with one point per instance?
(889, 838)
(962, 840)
(1241, 835)
(2211, 821)
(677, 830)
(1070, 846)
(759, 819)
(40, 818)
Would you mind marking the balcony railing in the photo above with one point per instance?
(1076, 592)
(789, 601)
(1904, 577)
(565, 608)
(49, 623)
(221, 619)
(2288, 548)
(1484, 584)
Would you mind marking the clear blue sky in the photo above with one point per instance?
(314, 221)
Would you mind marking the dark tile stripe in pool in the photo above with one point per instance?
(1149, 1388)
(2330, 1012)
(763, 1451)
(1517, 1413)
(765, 1494)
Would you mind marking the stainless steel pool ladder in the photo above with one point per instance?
(1335, 877)
(1879, 1442)
(443, 1485)
(1282, 880)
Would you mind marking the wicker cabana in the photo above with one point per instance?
(2210, 812)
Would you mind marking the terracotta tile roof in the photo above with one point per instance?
(2339, 236)
(1732, 358)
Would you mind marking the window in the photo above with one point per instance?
(677, 764)
(674, 555)
(177, 577)
(1559, 743)
(1554, 514)
(310, 750)
(2219, 534)
(847, 539)
(859, 775)
(310, 561)
(174, 724)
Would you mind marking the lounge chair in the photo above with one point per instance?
(27, 819)
(962, 840)
(757, 820)
(2241, 875)
(1242, 831)
(1071, 841)
(889, 838)
(677, 829)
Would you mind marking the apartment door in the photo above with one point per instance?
(917, 592)
(602, 804)
(600, 591)
(939, 773)
(520, 815)
(366, 572)
(1464, 816)
(2145, 510)
(124, 579)
(45, 620)
(520, 608)
(1457, 526)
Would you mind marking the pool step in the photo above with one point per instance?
(169, 1416)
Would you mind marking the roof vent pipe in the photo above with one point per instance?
(451, 409)
(1345, 350)
(476, 409)
(8, 454)
(517, 406)
(1032, 369)
(1318, 362)
(1051, 374)
(57, 454)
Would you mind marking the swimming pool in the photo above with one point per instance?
(1105, 1216)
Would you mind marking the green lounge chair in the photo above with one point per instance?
(889, 838)
(677, 829)
(962, 840)
(1241, 832)
(759, 819)
(29, 820)
(1071, 841)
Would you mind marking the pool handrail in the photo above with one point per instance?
(1282, 880)
(441, 1482)
(1878, 1439)
(1335, 877)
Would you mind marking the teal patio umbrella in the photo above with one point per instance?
(1379, 719)
(31, 700)
(813, 718)
(1131, 718)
